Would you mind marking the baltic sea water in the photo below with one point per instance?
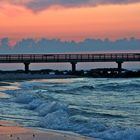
(102, 108)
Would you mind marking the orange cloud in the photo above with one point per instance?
(113, 21)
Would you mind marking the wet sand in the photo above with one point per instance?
(9, 131)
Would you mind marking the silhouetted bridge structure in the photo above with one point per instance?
(119, 58)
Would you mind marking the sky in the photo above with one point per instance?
(70, 19)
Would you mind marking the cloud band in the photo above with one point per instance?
(37, 5)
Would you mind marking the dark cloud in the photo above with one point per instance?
(37, 5)
(57, 46)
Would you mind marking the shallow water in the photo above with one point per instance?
(103, 108)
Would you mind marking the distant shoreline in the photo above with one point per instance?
(14, 75)
(30, 76)
(19, 76)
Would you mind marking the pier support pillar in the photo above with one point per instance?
(26, 67)
(119, 66)
(73, 66)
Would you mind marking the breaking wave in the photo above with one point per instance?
(93, 111)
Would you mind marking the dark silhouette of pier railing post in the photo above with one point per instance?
(73, 66)
(26, 67)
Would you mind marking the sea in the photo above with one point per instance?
(108, 109)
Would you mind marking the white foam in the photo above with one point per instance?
(117, 134)
(49, 107)
(34, 104)
(56, 120)
(23, 98)
(4, 95)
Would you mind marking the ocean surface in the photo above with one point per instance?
(108, 109)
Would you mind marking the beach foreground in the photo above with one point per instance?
(62, 108)
(10, 131)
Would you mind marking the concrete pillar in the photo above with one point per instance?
(26, 67)
(119, 66)
(73, 66)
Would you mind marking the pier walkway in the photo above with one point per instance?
(73, 59)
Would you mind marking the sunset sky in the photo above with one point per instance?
(69, 20)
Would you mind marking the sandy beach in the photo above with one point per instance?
(11, 131)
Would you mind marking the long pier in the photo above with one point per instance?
(27, 59)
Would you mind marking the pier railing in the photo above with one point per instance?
(119, 58)
(44, 58)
